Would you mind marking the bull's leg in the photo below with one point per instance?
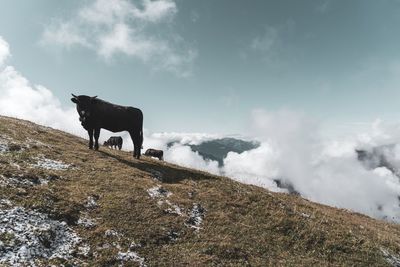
(90, 132)
(135, 144)
(96, 138)
(138, 144)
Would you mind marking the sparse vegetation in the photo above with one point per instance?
(241, 225)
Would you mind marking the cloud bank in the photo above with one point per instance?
(292, 149)
(113, 27)
(324, 171)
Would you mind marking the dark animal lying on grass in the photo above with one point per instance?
(155, 153)
(114, 142)
(95, 114)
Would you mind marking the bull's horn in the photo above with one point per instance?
(94, 97)
(74, 95)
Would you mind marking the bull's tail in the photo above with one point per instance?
(141, 133)
(141, 139)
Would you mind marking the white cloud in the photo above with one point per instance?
(64, 33)
(257, 166)
(112, 27)
(20, 99)
(119, 40)
(184, 138)
(4, 51)
(183, 155)
(109, 12)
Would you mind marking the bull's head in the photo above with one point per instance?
(83, 106)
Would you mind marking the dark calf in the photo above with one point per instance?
(155, 153)
(114, 142)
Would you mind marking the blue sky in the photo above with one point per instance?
(204, 66)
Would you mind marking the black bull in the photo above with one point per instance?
(95, 114)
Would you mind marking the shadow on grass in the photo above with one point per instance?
(166, 174)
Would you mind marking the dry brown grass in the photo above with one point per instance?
(243, 226)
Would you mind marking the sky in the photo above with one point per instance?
(311, 81)
(204, 66)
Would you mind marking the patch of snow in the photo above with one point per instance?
(28, 235)
(5, 203)
(84, 250)
(4, 142)
(130, 256)
(174, 209)
(4, 148)
(161, 193)
(25, 180)
(91, 202)
(134, 245)
(391, 259)
(9, 146)
(50, 164)
(43, 181)
(196, 216)
(86, 222)
(158, 192)
(17, 181)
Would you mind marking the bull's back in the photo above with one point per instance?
(117, 118)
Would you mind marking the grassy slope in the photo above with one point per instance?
(243, 224)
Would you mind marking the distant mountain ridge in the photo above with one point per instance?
(218, 149)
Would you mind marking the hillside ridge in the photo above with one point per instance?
(61, 203)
